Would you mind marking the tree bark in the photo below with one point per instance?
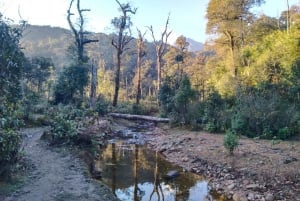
(94, 83)
(141, 54)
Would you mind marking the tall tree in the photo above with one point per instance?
(80, 35)
(227, 20)
(81, 40)
(140, 54)
(11, 61)
(160, 48)
(122, 24)
(182, 46)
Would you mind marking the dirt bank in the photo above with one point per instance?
(259, 170)
(56, 174)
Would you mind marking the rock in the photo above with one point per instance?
(289, 160)
(185, 159)
(172, 174)
(231, 186)
(251, 196)
(238, 196)
(246, 182)
(269, 197)
(253, 186)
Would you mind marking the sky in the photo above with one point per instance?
(187, 17)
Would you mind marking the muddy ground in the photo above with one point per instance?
(259, 169)
(55, 174)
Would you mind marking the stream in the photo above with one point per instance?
(135, 173)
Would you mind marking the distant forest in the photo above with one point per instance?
(245, 80)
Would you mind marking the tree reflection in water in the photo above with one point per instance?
(156, 185)
(136, 173)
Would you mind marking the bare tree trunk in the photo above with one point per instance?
(158, 68)
(139, 91)
(117, 80)
(94, 83)
(160, 48)
(141, 54)
(120, 44)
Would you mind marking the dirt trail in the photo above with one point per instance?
(57, 175)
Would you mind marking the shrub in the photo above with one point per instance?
(102, 105)
(10, 142)
(216, 112)
(264, 112)
(231, 141)
(63, 130)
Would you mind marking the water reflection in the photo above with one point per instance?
(136, 173)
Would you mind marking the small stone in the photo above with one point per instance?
(185, 159)
(238, 196)
(231, 186)
(252, 186)
(251, 196)
(269, 197)
(246, 182)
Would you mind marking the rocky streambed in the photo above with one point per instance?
(258, 170)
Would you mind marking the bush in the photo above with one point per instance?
(102, 106)
(10, 142)
(264, 112)
(63, 130)
(231, 141)
(216, 112)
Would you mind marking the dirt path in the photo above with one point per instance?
(57, 175)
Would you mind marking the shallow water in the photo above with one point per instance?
(135, 173)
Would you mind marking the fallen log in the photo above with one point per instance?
(139, 117)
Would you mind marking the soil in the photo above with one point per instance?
(56, 174)
(265, 170)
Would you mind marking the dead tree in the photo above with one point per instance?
(120, 43)
(79, 34)
(140, 54)
(160, 48)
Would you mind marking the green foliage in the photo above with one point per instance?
(29, 101)
(70, 85)
(11, 59)
(11, 64)
(265, 112)
(182, 99)
(102, 105)
(37, 72)
(10, 115)
(216, 112)
(63, 130)
(10, 142)
(165, 97)
(231, 141)
(65, 121)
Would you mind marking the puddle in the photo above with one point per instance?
(135, 173)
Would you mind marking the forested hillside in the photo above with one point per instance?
(245, 81)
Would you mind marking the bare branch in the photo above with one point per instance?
(69, 18)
